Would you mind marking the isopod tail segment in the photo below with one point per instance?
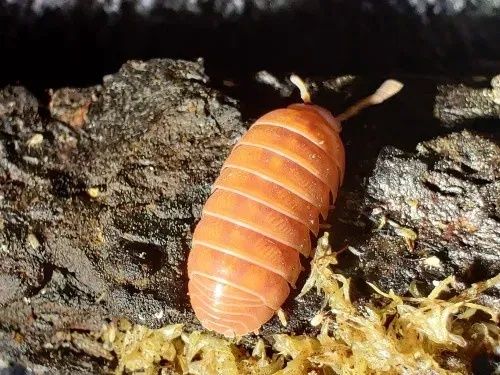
(276, 183)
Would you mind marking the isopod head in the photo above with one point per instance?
(323, 112)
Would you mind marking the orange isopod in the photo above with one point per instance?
(279, 178)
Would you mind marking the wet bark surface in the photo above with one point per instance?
(101, 188)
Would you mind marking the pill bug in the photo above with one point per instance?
(279, 178)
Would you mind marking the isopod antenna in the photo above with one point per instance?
(387, 90)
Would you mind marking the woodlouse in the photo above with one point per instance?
(279, 178)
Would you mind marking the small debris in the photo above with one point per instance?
(324, 242)
(495, 83)
(317, 319)
(259, 350)
(31, 160)
(94, 192)
(408, 234)
(354, 251)
(228, 83)
(172, 331)
(282, 317)
(159, 315)
(87, 344)
(433, 261)
(35, 140)
(413, 289)
(99, 236)
(33, 241)
(413, 203)
(268, 79)
(101, 297)
(70, 106)
(48, 345)
(382, 222)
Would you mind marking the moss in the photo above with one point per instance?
(410, 335)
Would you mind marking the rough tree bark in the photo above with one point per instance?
(100, 188)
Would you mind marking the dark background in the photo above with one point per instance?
(51, 43)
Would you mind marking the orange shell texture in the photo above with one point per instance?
(279, 178)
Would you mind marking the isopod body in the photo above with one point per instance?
(278, 180)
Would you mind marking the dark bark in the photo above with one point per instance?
(101, 188)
